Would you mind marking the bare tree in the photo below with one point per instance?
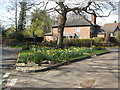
(78, 7)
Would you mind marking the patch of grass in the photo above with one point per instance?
(82, 56)
(79, 57)
(99, 51)
(17, 46)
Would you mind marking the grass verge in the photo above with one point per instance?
(99, 51)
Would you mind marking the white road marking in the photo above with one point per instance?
(6, 75)
(9, 82)
(12, 82)
(1, 81)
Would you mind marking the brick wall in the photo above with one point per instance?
(84, 32)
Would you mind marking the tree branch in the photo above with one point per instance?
(46, 5)
(33, 5)
(58, 11)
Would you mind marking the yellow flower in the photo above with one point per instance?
(48, 53)
(93, 46)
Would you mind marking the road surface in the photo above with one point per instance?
(9, 57)
(101, 69)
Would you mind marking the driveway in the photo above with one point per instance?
(103, 70)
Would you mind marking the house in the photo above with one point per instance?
(111, 28)
(76, 27)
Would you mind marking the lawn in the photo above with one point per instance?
(40, 54)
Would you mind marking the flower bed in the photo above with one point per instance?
(48, 55)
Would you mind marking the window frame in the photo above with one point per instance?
(77, 29)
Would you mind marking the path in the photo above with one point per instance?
(103, 69)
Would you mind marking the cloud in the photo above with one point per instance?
(110, 19)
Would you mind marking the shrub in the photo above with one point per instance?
(18, 36)
(37, 58)
(9, 42)
(117, 35)
(25, 48)
(98, 40)
(98, 48)
(113, 40)
(51, 44)
(77, 42)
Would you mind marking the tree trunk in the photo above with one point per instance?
(61, 25)
(107, 37)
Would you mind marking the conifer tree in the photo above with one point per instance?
(22, 16)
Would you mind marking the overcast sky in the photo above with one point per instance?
(5, 16)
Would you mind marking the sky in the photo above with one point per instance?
(5, 16)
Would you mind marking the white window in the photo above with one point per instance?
(77, 29)
(111, 35)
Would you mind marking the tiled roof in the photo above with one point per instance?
(110, 27)
(77, 20)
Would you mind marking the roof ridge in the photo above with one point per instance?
(111, 23)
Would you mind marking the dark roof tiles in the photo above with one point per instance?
(110, 27)
(77, 20)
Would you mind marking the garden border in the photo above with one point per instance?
(61, 64)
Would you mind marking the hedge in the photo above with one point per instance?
(87, 42)
(77, 42)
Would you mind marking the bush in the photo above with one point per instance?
(98, 48)
(37, 58)
(18, 36)
(98, 40)
(9, 42)
(25, 48)
(113, 40)
(117, 35)
(77, 42)
(50, 44)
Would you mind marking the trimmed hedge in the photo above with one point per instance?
(77, 42)
(87, 42)
(98, 40)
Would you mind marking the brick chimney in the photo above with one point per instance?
(93, 19)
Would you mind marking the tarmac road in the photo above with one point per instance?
(9, 57)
